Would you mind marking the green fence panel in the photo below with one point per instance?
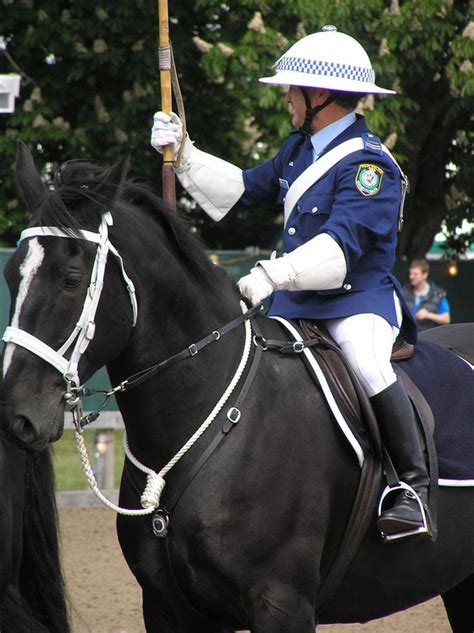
(4, 294)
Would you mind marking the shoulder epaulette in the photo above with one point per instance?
(372, 143)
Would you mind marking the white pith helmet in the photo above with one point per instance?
(327, 59)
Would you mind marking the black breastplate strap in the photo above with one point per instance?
(233, 417)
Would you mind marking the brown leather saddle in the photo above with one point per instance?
(458, 338)
(347, 386)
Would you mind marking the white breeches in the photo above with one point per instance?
(366, 340)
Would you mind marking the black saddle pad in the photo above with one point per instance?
(458, 337)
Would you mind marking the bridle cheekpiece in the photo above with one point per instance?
(84, 329)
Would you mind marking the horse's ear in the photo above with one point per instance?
(28, 179)
(117, 174)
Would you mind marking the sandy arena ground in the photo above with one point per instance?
(105, 598)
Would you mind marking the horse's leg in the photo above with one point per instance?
(285, 615)
(156, 616)
(458, 602)
(158, 621)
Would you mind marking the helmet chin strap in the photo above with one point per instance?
(305, 129)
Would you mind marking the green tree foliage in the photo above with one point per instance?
(91, 84)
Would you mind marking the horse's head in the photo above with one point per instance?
(58, 296)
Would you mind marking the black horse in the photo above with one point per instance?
(32, 594)
(253, 514)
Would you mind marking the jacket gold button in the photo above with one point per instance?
(291, 230)
(347, 286)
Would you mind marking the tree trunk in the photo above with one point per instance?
(426, 168)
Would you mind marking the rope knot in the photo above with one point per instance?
(153, 489)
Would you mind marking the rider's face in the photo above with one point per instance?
(296, 101)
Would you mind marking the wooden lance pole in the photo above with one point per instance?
(169, 185)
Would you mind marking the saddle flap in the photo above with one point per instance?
(346, 387)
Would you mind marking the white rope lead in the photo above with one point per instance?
(150, 498)
(91, 480)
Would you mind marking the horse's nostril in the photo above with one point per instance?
(22, 429)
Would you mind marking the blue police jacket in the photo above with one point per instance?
(357, 202)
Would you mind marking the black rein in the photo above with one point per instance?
(138, 378)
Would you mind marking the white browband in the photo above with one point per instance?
(54, 231)
(84, 330)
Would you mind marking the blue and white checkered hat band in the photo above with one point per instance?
(330, 69)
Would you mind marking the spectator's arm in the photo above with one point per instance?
(440, 318)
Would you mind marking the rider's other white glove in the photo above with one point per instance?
(167, 130)
(319, 264)
(256, 286)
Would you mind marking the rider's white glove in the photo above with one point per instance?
(167, 130)
(319, 264)
(256, 286)
(215, 184)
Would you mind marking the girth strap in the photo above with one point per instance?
(360, 518)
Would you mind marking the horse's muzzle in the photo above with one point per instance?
(26, 431)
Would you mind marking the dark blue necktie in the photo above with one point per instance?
(304, 158)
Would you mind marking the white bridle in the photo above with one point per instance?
(83, 334)
(84, 330)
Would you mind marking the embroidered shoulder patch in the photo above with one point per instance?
(369, 179)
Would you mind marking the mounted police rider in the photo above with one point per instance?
(339, 238)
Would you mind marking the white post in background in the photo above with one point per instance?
(9, 91)
(103, 467)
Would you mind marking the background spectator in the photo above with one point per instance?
(426, 300)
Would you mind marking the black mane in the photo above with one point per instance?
(79, 182)
(75, 183)
(176, 227)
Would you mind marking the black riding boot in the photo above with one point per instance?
(401, 437)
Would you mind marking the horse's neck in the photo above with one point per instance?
(166, 410)
(182, 315)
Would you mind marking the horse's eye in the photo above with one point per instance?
(72, 281)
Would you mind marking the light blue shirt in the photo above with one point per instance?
(321, 139)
